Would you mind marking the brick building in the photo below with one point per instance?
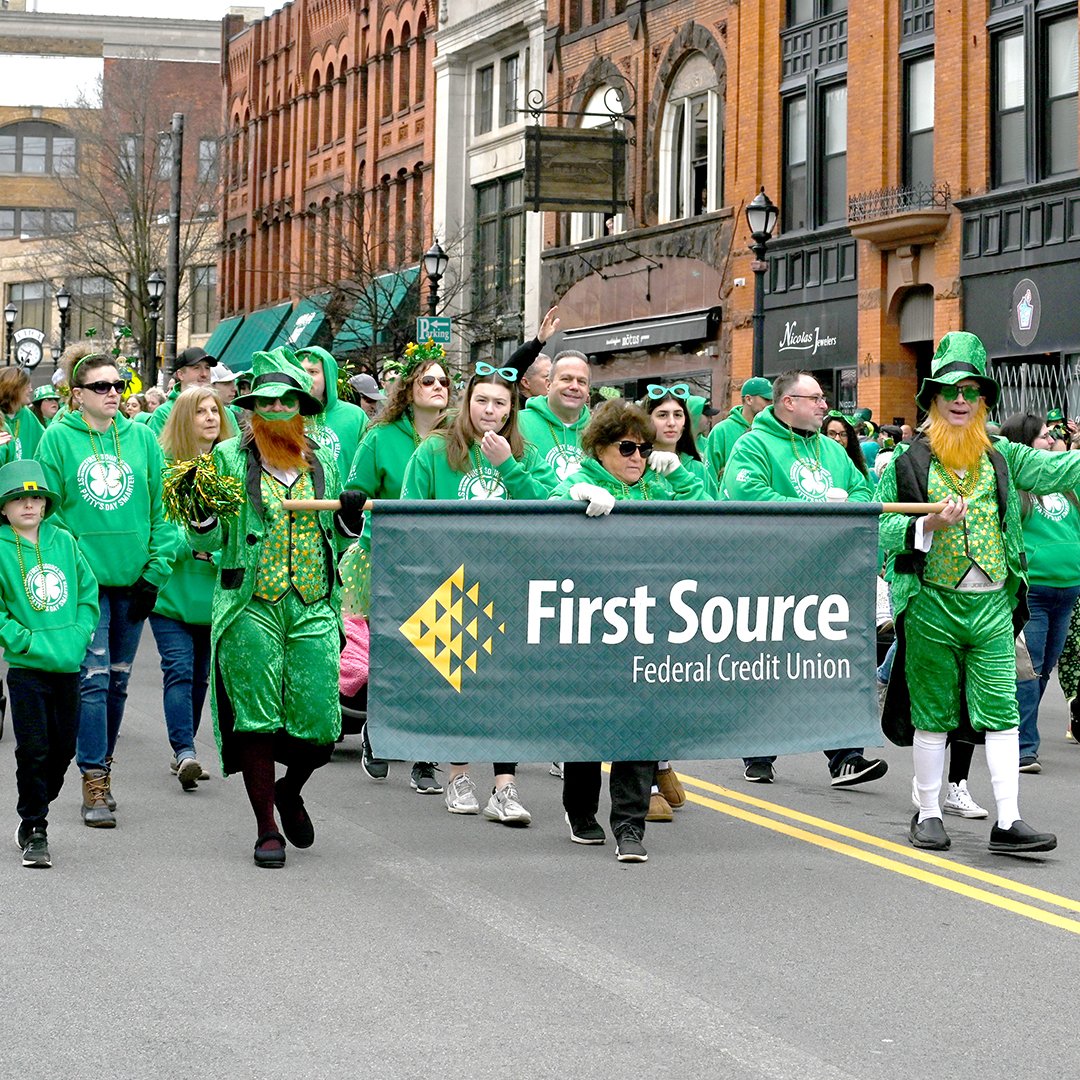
(327, 175)
(62, 166)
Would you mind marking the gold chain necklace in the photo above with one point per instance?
(640, 485)
(963, 487)
(34, 602)
(94, 435)
(814, 463)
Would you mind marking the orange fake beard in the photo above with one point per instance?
(958, 448)
(282, 444)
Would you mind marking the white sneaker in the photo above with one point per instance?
(556, 769)
(958, 801)
(461, 795)
(505, 806)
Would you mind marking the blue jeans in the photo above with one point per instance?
(836, 757)
(1045, 636)
(185, 666)
(884, 673)
(103, 678)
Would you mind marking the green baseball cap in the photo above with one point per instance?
(757, 387)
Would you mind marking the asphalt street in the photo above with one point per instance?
(776, 933)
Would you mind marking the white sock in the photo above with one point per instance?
(1003, 761)
(655, 790)
(663, 766)
(928, 751)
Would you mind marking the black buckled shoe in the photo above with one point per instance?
(295, 822)
(270, 858)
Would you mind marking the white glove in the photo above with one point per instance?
(600, 501)
(662, 463)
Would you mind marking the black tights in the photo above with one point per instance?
(960, 756)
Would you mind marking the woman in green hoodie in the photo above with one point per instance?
(673, 419)
(482, 455)
(341, 425)
(15, 398)
(181, 619)
(106, 472)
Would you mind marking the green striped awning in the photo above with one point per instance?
(223, 333)
(258, 333)
(382, 298)
(307, 325)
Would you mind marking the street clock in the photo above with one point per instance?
(29, 347)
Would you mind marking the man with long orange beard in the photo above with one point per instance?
(276, 617)
(958, 589)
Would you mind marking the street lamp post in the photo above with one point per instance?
(63, 304)
(435, 263)
(57, 352)
(761, 216)
(155, 285)
(10, 312)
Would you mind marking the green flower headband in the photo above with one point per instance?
(414, 356)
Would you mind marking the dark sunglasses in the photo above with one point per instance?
(627, 448)
(103, 387)
(431, 380)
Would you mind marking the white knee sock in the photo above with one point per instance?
(928, 750)
(1003, 760)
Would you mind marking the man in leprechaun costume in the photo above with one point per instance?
(959, 586)
(276, 622)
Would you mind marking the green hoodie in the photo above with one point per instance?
(430, 476)
(341, 425)
(681, 484)
(155, 421)
(378, 468)
(111, 504)
(722, 439)
(26, 431)
(55, 639)
(701, 471)
(558, 443)
(771, 463)
(1052, 539)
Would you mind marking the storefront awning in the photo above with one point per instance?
(630, 334)
(306, 324)
(223, 333)
(374, 310)
(259, 332)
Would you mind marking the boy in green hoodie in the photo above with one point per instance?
(341, 425)
(48, 611)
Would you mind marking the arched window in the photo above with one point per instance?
(691, 163)
(600, 109)
(421, 59)
(387, 108)
(313, 112)
(343, 88)
(384, 222)
(404, 72)
(38, 148)
(328, 107)
(245, 146)
(400, 199)
(362, 97)
(417, 224)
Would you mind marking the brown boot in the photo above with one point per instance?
(671, 788)
(95, 811)
(110, 799)
(659, 809)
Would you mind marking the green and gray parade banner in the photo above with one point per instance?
(528, 632)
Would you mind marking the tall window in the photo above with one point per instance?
(919, 123)
(164, 156)
(387, 64)
(208, 161)
(483, 99)
(421, 59)
(1034, 95)
(404, 70)
(203, 299)
(591, 226)
(508, 91)
(833, 198)
(692, 143)
(130, 154)
(499, 254)
(36, 147)
(815, 158)
(328, 107)
(794, 202)
(32, 298)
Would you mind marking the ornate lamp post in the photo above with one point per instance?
(10, 312)
(155, 285)
(435, 263)
(63, 305)
(761, 215)
(57, 352)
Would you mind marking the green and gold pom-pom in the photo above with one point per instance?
(194, 491)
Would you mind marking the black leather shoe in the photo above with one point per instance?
(1020, 837)
(929, 834)
(295, 823)
(270, 858)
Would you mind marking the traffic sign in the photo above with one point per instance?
(432, 328)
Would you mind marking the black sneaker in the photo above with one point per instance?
(628, 845)
(1074, 720)
(375, 767)
(929, 834)
(22, 834)
(423, 780)
(1020, 837)
(1030, 764)
(585, 830)
(36, 852)
(759, 772)
(859, 770)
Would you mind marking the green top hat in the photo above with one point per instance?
(959, 356)
(1055, 416)
(21, 478)
(275, 374)
(46, 393)
(757, 387)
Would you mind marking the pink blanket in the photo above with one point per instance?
(355, 657)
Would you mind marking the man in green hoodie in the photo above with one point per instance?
(340, 425)
(554, 424)
(757, 394)
(785, 458)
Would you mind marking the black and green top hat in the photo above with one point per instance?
(1055, 416)
(959, 356)
(21, 478)
(275, 374)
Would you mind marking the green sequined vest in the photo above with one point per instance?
(976, 539)
(292, 550)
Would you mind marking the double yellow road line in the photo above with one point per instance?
(734, 805)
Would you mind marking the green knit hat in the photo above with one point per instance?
(46, 393)
(21, 478)
(275, 374)
(959, 356)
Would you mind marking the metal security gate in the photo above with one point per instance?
(1037, 384)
